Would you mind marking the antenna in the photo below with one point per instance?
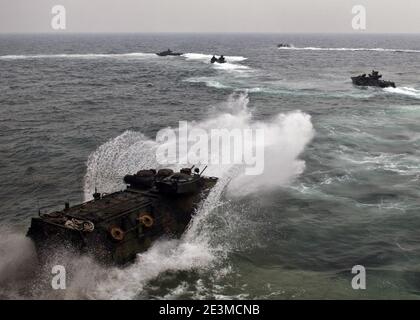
(203, 170)
(96, 195)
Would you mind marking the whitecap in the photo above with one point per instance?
(351, 49)
(133, 55)
(407, 91)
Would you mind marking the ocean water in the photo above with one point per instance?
(340, 187)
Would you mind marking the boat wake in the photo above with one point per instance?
(350, 49)
(133, 55)
(209, 82)
(207, 57)
(406, 91)
(279, 89)
(230, 65)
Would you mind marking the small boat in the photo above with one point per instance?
(168, 52)
(372, 80)
(284, 45)
(221, 59)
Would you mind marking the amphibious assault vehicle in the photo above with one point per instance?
(372, 80)
(168, 52)
(115, 227)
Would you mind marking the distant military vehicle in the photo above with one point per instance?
(168, 52)
(372, 80)
(115, 227)
(221, 59)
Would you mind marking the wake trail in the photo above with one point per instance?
(405, 91)
(350, 49)
(133, 55)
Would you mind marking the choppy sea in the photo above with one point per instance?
(340, 186)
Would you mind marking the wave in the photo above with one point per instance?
(351, 49)
(132, 151)
(207, 57)
(411, 92)
(228, 66)
(133, 55)
(281, 91)
(208, 82)
(17, 263)
(398, 163)
(286, 136)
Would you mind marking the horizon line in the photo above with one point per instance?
(206, 32)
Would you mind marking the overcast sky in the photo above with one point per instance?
(285, 16)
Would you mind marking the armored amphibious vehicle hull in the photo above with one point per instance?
(114, 228)
(169, 53)
(365, 82)
(372, 80)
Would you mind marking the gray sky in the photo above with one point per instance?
(383, 16)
